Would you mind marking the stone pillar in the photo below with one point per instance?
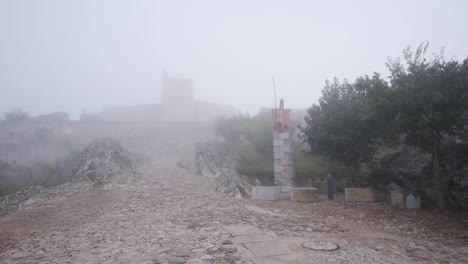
(284, 160)
(283, 166)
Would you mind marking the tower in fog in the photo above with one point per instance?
(177, 99)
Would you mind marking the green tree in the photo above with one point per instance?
(344, 125)
(431, 100)
(256, 129)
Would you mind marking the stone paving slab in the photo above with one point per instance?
(243, 230)
(296, 258)
(252, 238)
(269, 248)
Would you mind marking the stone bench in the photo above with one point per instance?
(304, 195)
(360, 195)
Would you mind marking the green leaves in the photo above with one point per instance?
(424, 102)
(430, 95)
(342, 126)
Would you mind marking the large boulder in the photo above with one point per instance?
(11, 202)
(412, 170)
(218, 161)
(101, 161)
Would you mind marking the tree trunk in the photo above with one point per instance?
(438, 183)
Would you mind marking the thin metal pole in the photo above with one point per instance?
(274, 91)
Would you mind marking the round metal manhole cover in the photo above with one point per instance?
(320, 245)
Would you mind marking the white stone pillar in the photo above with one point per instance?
(283, 159)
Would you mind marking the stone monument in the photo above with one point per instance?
(282, 149)
(284, 167)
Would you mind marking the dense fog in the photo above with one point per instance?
(81, 56)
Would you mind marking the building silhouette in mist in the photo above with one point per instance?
(177, 105)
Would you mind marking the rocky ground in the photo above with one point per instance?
(167, 214)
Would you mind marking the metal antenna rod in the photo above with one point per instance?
(274, 91)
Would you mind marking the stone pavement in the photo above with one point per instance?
(170, 215)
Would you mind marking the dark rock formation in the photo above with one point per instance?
(101, 161)
(412, 170)
(10, 203)
(218, 161)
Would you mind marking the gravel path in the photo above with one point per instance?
(170, 215)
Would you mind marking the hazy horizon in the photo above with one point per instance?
(75, 55)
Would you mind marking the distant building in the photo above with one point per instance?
(177, 99)
(177, 105)
(129, 113)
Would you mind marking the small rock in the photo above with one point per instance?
(227, 242)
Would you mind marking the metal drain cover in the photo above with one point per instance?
(320, 245)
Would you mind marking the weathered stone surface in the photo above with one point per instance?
(101, 161)
(278, 155)
(251, 238)
(397, 199)
(287, 162)
(10, 203)
(360, 195)
(412, 202)
(296, 258)
(217, 161)
(284, 135)
(269, 248)
(278, 142)
(285, 148)
(243, 230)
(268, 193)
(305, 195)
(320, 245)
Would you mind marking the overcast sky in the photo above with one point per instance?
(86, 54)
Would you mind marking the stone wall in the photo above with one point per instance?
(305, 195)
(360, 195)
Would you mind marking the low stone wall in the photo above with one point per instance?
(360, 195)
(10, 203)
(266, 193)
(397, 199)
(305, 195)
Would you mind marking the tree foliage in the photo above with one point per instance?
(256, 129)
(423, 103)
(431, 99)
(344, 126)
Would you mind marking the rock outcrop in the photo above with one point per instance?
(218, 161)
(101, 161)
(10, 203)
(411, 169)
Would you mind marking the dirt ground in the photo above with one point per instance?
(171, 215)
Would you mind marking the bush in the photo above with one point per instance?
(253, 139)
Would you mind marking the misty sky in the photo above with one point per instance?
(86, 54)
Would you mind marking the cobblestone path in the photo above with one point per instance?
(170, 215)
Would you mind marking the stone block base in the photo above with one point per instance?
(413, 202)
(305, 195)
(397, 199)
(360, 195)
(269, 193)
